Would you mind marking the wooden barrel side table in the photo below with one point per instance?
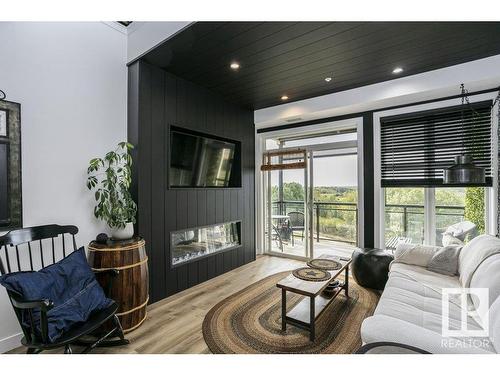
(130, 289)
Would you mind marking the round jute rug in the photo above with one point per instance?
(249, 321)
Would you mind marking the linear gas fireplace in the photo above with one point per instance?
(195, 243)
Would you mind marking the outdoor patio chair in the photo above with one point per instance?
(297, 223)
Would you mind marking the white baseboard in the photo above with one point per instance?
(11, 342)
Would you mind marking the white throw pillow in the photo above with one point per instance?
(417, 255)
(445, 260)
(449, 240)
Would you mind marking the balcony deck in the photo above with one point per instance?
(322, 247)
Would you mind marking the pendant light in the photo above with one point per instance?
(2, 95)
(464, 171)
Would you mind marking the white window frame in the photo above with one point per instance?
(260, 147)
(491, 194)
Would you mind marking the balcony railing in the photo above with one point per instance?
(333, 221)
(338, 221)
(407, 220)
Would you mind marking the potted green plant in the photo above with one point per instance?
(110, 179)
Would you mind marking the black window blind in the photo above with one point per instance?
(416, 147)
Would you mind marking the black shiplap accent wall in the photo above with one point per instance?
(158, 99)
(368, 182)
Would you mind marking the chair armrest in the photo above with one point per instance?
(112, 273)
(387, 347)
(44, 306)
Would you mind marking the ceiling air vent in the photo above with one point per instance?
(293, 119)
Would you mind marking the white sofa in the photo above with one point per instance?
(410, 308)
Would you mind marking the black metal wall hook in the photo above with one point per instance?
(2, 95)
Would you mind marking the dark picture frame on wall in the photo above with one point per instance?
(10, 166)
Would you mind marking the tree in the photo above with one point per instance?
(404, 196)
(293, 191)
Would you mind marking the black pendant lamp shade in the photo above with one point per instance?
(464, 172)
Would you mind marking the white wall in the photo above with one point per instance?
(142, 36)
(71, 81)
(477, 75)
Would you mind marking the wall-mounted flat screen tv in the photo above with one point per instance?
(202, 160)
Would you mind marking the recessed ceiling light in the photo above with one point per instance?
(328, 79)
(234, 66)
(284, 97)
(397, 70)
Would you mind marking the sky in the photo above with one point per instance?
(338, 171)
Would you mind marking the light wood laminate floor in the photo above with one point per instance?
(174, 324)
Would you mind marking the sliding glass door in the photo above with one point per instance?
(335, 201)
(313, 210)
(287, 214)
(289, 211)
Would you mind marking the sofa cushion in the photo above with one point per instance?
(495, 324)
(423, 277)
(70, 284)
(385, 328)
(487, 276)
(413, 294)
(473, 254)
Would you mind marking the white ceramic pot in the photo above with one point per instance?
(123, 233)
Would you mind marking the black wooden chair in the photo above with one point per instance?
(23, 250)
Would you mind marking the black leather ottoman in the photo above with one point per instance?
(370, 267)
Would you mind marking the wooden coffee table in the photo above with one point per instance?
(307, 311)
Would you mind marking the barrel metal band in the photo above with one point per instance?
(122, 267)
(134, 309)
(138, 245)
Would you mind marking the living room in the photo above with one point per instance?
(303, 186)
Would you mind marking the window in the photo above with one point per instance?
(449, 210)
(422, 215)
(404, 216)
(414, 150)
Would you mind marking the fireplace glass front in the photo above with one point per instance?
(189, 244)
